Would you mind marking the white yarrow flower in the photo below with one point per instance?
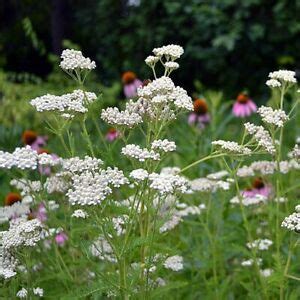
(174, 263)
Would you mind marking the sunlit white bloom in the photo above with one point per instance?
(22, 158)
(284, 76)
(91, 188)
(170, 51)
(45, 159)
(163, 90)
(56, 184)
(273, 83)
(167, 183)
(73, 59)
(276, 117)
(174, 263)
(77, 165)
(76, 101)
(139, 174)
(136, 152)
(163, 145)
(151, 60)
(171, 65)
(113, 116)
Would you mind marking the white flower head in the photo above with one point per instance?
(283, 76)
(232, 147)
(139, 174)
(174, 263)
(170, 51)
(73, 59)
(22, 294)
(80, 214)
(275, 117)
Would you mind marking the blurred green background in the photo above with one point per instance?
(229, 44)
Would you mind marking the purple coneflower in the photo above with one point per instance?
(258, 188)
(131, 83)
(36, 142)
(112, 134)
(243, 106)
(200, 115)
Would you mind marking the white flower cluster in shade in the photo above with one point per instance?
(292, 222)
(73, 59)
(276, 117)
(266, 272)
(266, 167)
(57, 183)
(91, 188)
(172, 52)
(181, 210)
(16, 210)
(113, 116)
(248, 201)
(22, 158)
(231, 147)
(296, 152)
(168, 183)
(22, 293)
(74, 102)
(102, 249)
(208, 185)
(8, 262)
(78, 165)
(139, 174)
(38, 292)
(174, 263)
(281, 76)
(250, 262)
(118, 224)
(80, 214)
(163, 145)
(22, 233)
(26, 186)
(163, 91)
(260, 244)
(217, 175)
(136, 152)
(273, 83)
(262, 137)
